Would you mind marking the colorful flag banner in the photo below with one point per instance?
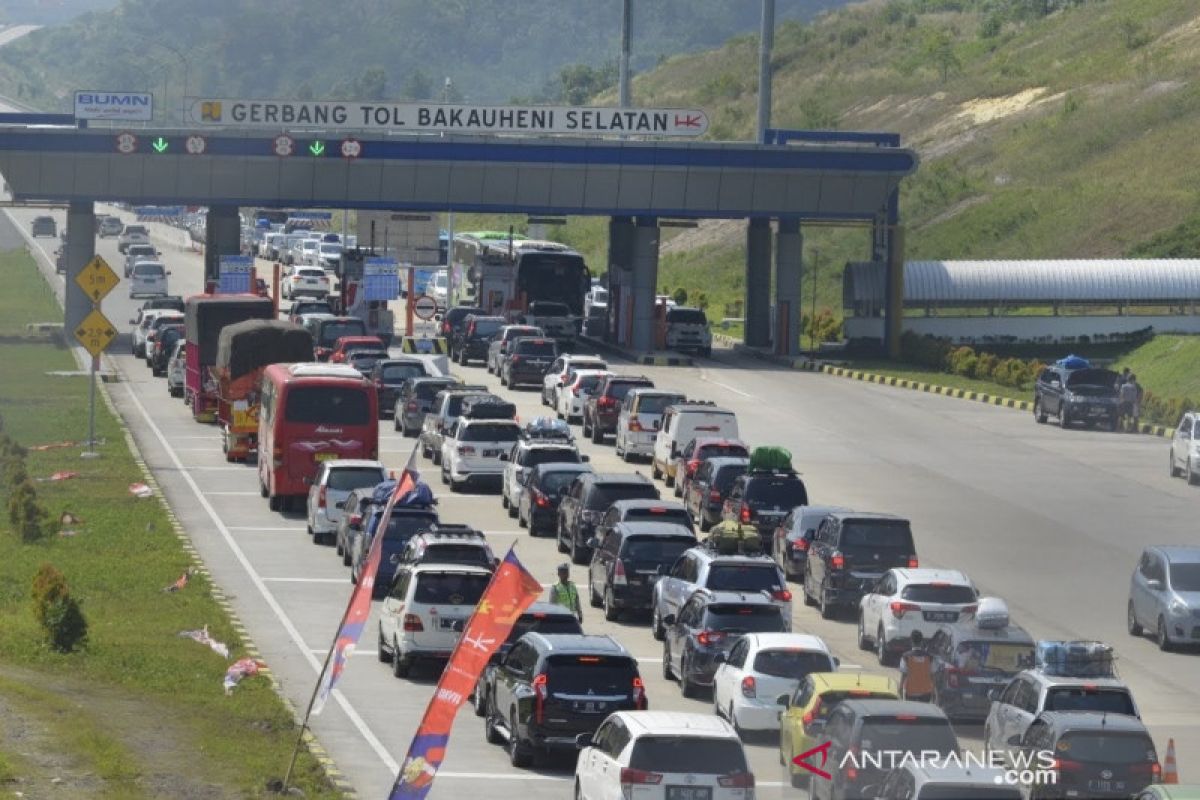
(511, 591)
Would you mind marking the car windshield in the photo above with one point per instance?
(880, 734)
(135, 229)
(551, 455)
(1007, 657)
(489, 432)
(878, 534)
(686, 316)
(458, 554)
(743, 577)
(348, 478)
(780, 492)
(486, 327)
(791, 663)
(657, 403)
(762, 618)
(603, 496)
(938, 593)
(1079, 698)
(535, 347)
(689, 755)
(727, 475)
(399, 373)
(450, 588)
(1185, 577)
(590, 675)
(402, 527)
(619, 389)
(331, 249)
(554, 482)
(144, 270)
(140, 250)
(544, 623)
(599, 295)
(332, 331)
(656, 549)
(311, 273)
(1106, 747)
(327, 405)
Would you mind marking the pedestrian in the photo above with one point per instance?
(1136, 411)
(565, 593)
(916, 671)
(1128, 397)
(1123, 378)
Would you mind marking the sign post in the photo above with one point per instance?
(409, 300)
(235, 274)
(95, 332)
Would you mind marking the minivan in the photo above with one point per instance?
(148, 278)
(682, 423)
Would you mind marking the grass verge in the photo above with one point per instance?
(118, 560)
(925, 375)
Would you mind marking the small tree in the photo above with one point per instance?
(939, 49)
(59, 614)
(26, 515)
(680, 296)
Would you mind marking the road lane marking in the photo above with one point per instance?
(264, 530)
(728, 387)
(359, 723)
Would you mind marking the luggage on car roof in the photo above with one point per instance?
(488, 407)
(1074, 362)
(770, 459)
(1076, 659)
(731, 538)
(992, 613)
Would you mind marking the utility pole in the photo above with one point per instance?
(766, 43)
(812, 319)
(623, 63)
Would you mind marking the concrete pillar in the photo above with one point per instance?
(222, 237)
(620, 272)
(895, 294)
(80, 248)
(645, 283)
(789, 270)
(758, 282)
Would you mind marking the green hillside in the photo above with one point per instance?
(1067, 133)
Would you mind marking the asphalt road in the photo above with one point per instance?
(1051, 520)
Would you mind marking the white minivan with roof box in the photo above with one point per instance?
(680, 424)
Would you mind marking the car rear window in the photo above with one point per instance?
(657, 403)
(579, 364)
(428, 391)
(554, 482)
(659, 514)
(743, 577)
(544, 623)
(758, 618)
(688, 754)
(402, 527)
(727, 475)
(791, 663)
(603, 496)
(148, 270)
(311, 272)
(551, 455)
(829, 700)
(587, 383)
(1106, 747)
(619, 389)
(590, 675)
(536, 347)
(454, 407)
(332, 331)
(348, 478)
(327, 405)
(878, 535)
(135, 229)
(686, 316)
(911, 735)
(718, 450)
(1080, 698)
(458, 554)
(489, 432)
(450, 588)
(397, 373)
(487, 327)
(782, 492)
(938, 593)
(1009, 657)
(656, 549)
(1185, 577)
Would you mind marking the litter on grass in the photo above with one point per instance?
(242, 668)
(179, 584)
(140, 490)
(62, 475)
(201, 636)
(67, 518)
(52, 446)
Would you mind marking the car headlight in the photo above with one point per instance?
(1177, 607)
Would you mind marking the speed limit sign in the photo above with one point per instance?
(425, 307)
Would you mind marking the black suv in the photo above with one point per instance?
(527, 360)
(551, 688)
(970, 662)
(762, 498)
(628, 559)
(849, 555)
(643, 511)
(1086, 395)
(471, 339)
(586, 501)
(706, 627)
(542, 490)
(603, 406)
(1100, 755)
(452, 321)
(389, 374)
(541, 617)
(706, 491)
(405, 523)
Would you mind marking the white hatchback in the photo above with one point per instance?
(148, 278)
(578, 384)
(907, 600)
(654, 755)
(759, 669)
(329, 490)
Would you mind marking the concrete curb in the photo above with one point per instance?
(962, 394)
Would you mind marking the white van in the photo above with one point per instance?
(682, 423)
(639, 420)
(148, 278)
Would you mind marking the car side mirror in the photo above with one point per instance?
(837, 662)
(1154, 585)
(669, 619)
(783, 700)
(583, 740)
(593, 543)
(584, 459)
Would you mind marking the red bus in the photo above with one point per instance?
(311, 413)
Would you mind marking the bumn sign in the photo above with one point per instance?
(129, 106)
(426, 117)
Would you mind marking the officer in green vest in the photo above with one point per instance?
(565, 593)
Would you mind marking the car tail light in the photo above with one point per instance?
(606, 402)
(969, 611)
(710, 637)
(951, 674)
(539, 698)
(1151, 767)
(800, 545)
(714, 495)
(635, 424)
(411, 405)
(811, 715)
(639, 694)
(321, 497)
(781, 594)
(746, 514)
(692, 466)
(837, 561)
(466, 450)
(356, 519)
(1066, 765)
(912, 562)
(541, 499)
(749, 686)
(619, 573)
(736, 780)
(637, 777)
(413, 623)
(899, 608)
(515, 360)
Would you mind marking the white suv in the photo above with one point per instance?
(907, 600)
(524, 456)
(649, 751)
(760, 668)
(329, 490)
(577, 385)
(425, 612)
(557, 374)
(473, 449)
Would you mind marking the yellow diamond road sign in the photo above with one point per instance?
(97, 279)
(95, 333)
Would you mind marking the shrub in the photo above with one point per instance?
(822, 328)
(985, 366)
(58, 614)
(26, 515)
(680, 296)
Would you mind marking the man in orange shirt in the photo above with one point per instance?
(916, 671)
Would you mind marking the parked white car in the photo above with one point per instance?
(1185, 449)
(643, 753)
(760, 668)
(329, 490)
(472, 450)
(177, 369)
(907, 600)
(425, 611)
(147, 279)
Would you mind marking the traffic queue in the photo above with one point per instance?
(712, 574)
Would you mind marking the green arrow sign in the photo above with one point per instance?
(160, 145)
(316, 148)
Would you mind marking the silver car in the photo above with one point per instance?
(329, 490)
(1185, 449)
(1164, 595)
(176, 368)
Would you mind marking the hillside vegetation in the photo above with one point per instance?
(1046, 128)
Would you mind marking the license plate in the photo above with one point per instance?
(490, 453)
(590, 707)
(941, 616)
(325, 456)
(451, 624)
(1106, 786)
(689, 793)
